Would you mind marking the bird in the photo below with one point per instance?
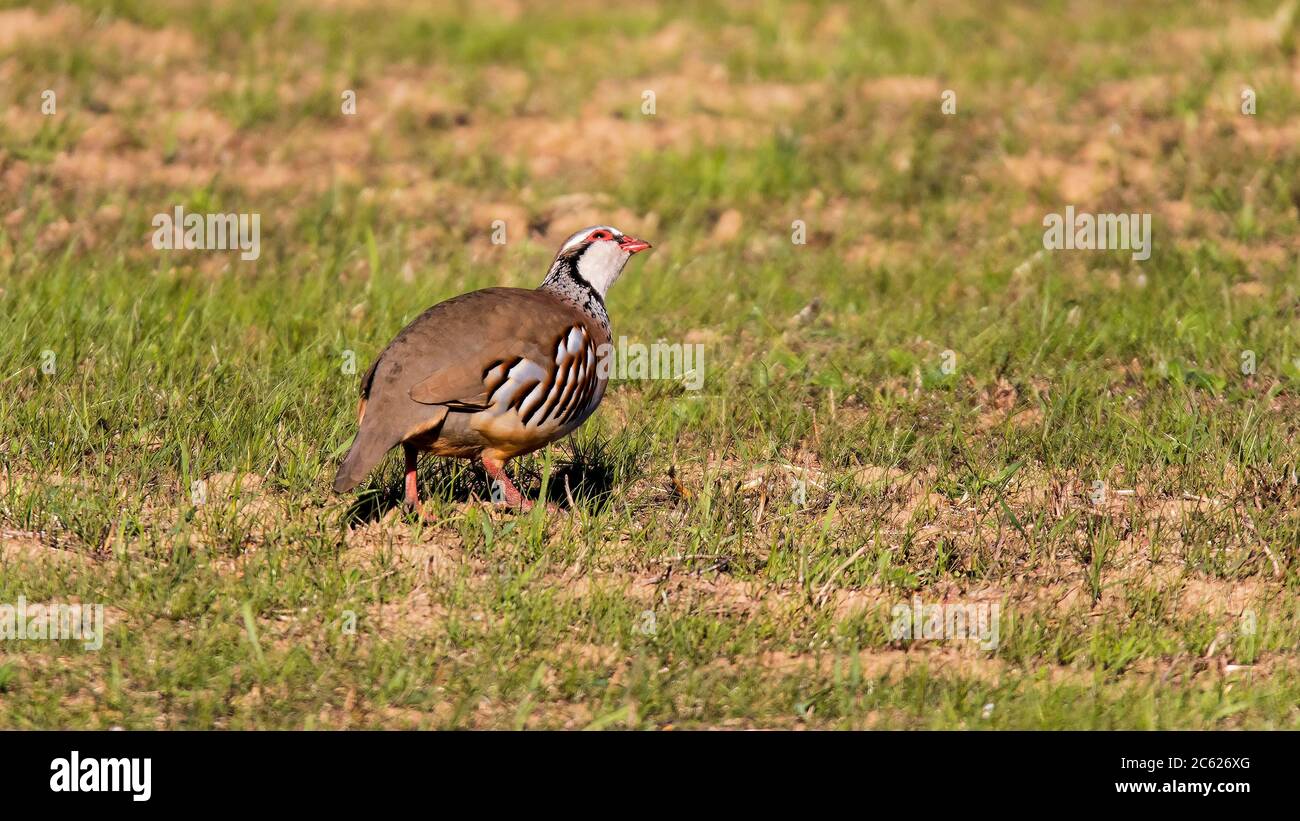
(496, 373)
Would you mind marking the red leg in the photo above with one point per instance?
(496, 471)
(412, 487)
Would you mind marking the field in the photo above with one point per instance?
(917, 406)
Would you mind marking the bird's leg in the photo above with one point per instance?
(496, 471)
(412, 487)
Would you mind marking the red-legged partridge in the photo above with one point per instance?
(497, 373)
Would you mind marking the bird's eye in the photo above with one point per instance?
(601, 234)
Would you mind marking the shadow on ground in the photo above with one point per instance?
(586, 479)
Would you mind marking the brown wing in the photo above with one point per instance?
(458, 343)
(444, 356)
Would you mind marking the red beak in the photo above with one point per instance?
(632, 244)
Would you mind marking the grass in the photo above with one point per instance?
(1071, 436)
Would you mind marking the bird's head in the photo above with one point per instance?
(595, 256)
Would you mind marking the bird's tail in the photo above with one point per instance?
(367, 450)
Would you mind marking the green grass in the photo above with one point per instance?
(950, 485)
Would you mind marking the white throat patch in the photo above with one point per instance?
(601, 264)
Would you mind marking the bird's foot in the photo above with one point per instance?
(521, 506)
(527, 505)
(419, 511)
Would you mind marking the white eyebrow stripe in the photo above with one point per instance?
(578, 237)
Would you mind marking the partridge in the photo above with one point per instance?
(497, 373)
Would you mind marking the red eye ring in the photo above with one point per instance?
(599, 234)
